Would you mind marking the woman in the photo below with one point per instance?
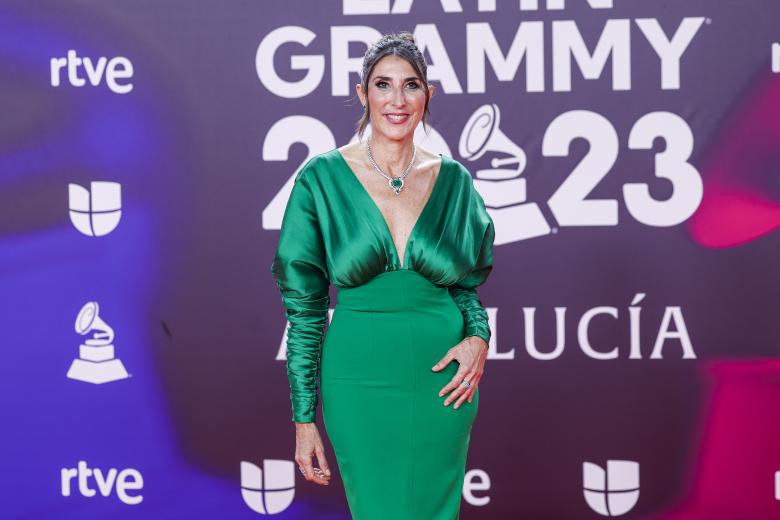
(405, 236)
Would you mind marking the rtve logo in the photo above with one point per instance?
(476, 480)
(113, 70)
(127, 479)
(269, 490)
(614, 492)
(95, 212)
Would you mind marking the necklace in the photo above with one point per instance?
(396, 184)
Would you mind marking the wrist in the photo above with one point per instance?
(479, 339)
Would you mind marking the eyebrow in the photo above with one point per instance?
(405, 79)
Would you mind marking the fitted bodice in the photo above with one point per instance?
(444, 245)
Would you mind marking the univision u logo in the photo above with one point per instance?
(614, 492)
(269, 490)
(95, 212)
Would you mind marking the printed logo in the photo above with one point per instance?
(476, 480)
(501, 184)
(614, 492)
(123, 481)
(96, 362)
(114, 69)
(95, 212)
(269, 490)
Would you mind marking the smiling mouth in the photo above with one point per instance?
(397, 118)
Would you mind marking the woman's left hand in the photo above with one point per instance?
(470, 354)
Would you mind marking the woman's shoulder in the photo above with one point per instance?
(457, 170)
(319, 165)
(450, 166)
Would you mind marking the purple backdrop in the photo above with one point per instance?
(147, 150)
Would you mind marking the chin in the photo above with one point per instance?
(396, 134)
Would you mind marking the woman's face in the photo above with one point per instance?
(396, 98)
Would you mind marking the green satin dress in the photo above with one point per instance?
(401, 454)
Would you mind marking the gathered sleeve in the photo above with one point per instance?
(464, 292)
(301, 273)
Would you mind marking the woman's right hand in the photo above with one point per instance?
(308, 443)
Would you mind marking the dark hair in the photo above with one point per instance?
(394, 44)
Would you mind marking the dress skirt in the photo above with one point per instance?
(400, 452)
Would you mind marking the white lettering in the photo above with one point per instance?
(530, 334)
(673, 314)
(440, 67)
(615, 40)
(476, 480)
(129, 479)
(528, 45)
(66, 475)
(351, 7)
(118, 67)
(122, 481)
(528, 42)
(672, 163)
(264, 62)
(582, 333)
(358, 7)
(670, 52)
(84, 474)
(105, 484)
(341, 63)
(633, 319)
(561, 4)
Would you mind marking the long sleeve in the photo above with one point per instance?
(301, 274)
(464, 293)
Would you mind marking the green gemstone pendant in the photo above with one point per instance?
(396, 184)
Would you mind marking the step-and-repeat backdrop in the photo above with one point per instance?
(628, 152)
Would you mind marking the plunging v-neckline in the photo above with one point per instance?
(389, 235)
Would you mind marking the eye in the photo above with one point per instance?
(413, 85)
(381, 84)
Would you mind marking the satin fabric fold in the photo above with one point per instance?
(333, 232)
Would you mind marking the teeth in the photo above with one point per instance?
(396, 118)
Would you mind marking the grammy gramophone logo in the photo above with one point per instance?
(96, 362)
(501, 185)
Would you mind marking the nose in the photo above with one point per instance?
(398, 97)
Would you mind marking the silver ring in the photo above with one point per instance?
(465, 383)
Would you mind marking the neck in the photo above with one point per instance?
(392, 155)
